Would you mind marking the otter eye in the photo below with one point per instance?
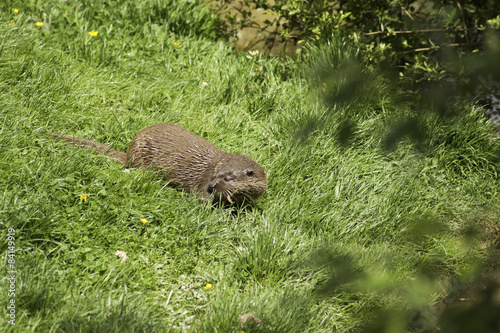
(249, 173)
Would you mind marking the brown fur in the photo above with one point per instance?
(188, 162)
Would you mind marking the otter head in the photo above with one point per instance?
(237, 180)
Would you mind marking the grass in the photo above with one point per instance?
(347, 231)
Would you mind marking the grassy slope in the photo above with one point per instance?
(332, 239)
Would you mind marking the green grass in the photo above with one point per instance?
(346, 230)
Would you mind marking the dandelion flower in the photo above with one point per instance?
(175, 44)
(15, 10)
(208, 286)
(39, 24)
(83, 197)
(93, 33)
(12, 23)
(144, 221)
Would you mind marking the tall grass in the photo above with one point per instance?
(348, 230)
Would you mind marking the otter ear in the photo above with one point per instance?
(249, 173)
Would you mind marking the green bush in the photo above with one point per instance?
(426, 40)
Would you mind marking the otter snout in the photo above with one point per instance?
(211, 188)
(236, 186)
(219, 193)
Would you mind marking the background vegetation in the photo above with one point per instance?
(381, 213)
(424, 41)
(400, 30)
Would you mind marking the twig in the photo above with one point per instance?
(412, 31)
(463, 20)
(432, 48)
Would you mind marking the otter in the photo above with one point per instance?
(188, 162)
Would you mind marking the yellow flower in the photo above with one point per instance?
(83, 197)
(208, 286)
(39, 24)
(15, 10)
(93, 33)
(144, 221)
(12, 23)
(175, 44)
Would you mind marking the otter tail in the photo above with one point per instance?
(96, 147)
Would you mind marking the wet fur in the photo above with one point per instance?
(188, 162)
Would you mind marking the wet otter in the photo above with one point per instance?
(188, 162)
